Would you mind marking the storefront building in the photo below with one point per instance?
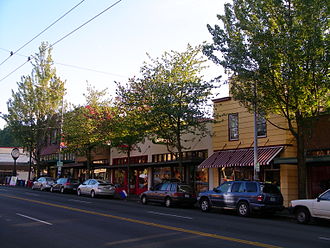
(232, 157)
(152, 163)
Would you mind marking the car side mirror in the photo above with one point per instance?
(216, 190)
(319, 199)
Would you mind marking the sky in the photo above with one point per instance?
(110, 48)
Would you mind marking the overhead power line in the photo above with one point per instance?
(74, 66)
(65, 36)
(12, 53)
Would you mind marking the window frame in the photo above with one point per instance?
(231, 129)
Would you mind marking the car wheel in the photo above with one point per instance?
(62, 190)
(303, 216)
(144, 200)
(78, 192)
(205, 205)
(168, 202)
(243, 209)
(42, 188)
(93, 194)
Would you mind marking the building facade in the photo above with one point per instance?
(232, 158)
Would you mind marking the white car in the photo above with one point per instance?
(96, 187)
(304, 210)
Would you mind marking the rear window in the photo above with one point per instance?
(185, 189)
(270, 189)
(73, 181)
(104, 183)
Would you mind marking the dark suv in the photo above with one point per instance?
(170, 193)
(243, 196)
(64, 185)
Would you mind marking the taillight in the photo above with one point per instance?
(260, 198)
(67, 184)
(178, 194)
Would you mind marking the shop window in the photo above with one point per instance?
(233, 126)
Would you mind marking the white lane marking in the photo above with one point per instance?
(3, 190)
(172, 215)
(324, 238)
(32, 194)
(79, 201)
(31, 218)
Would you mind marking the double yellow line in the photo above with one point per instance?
(172, 228)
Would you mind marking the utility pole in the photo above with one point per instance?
(256, 166)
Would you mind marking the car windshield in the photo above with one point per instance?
(185, 189)
(49, 180)
(270, 189)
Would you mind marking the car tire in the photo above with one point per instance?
(78, 192)
(41, 188)
(243, 209)
(62, 190)
(204, 204)
(93, 194)
(144, 200)
(168, 202)
(303, 216)
(51, 189)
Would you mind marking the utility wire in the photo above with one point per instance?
(12, 53)
(75, 66)
(111, 6)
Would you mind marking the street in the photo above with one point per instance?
(42, 219)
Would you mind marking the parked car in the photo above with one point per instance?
(170, 193)
(43, 183)
(96, 187)
(65, 185)
(306, 209)
(243, 196)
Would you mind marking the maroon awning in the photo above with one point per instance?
(240, 157)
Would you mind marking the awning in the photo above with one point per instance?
(240, 157)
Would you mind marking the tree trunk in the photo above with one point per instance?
(301, 161)
(89, 160)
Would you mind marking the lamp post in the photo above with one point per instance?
(256, 166)
(15, 155)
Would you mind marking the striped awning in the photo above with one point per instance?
(240, 157)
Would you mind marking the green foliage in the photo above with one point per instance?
(7, 138)
(283, 47)
(170, 98)
(35, 107)
(87, 127)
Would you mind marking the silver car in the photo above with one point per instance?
(43, 183)
(96, 187)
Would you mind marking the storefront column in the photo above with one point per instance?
(213, 178)
(289, 182)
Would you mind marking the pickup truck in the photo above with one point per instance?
(305, 210)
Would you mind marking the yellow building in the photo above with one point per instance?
(233, 149)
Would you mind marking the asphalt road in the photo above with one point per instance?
(42, 219)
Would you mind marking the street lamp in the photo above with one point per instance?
(15, 155)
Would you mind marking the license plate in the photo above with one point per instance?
(272, 199)
(186, 195)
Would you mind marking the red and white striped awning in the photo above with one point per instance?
(241, 157)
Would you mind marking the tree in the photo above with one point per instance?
(171, 97)
(34, 109)
(280, 50)
(7, 138)
(86, 127)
